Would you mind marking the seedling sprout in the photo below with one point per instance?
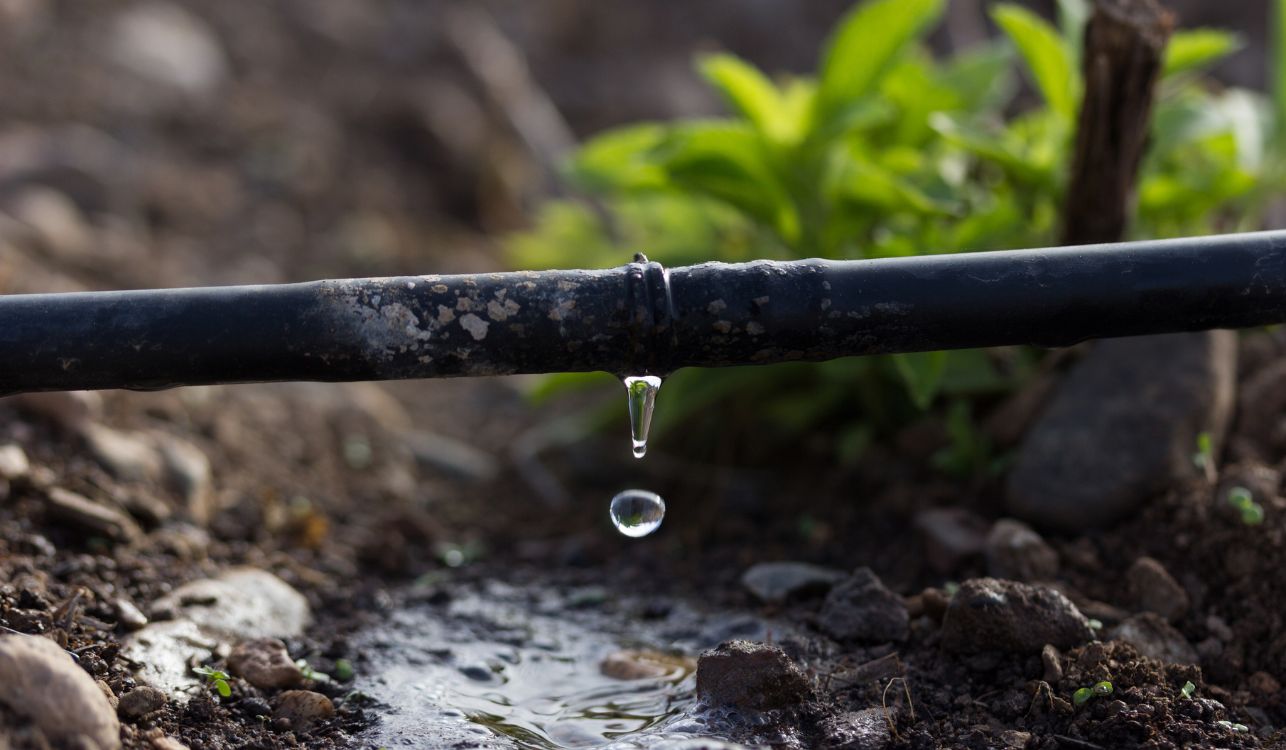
(216, 678)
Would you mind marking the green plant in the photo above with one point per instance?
(1100, 689)
(887, 151)
(217, 679)
(310, 673)
(1188, 689)
(344, 670)
(1252, 513)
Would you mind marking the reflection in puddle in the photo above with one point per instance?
(511, 669)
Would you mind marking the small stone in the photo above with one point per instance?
(867, 729)
(55, 220)
(13, 462)
(1052, 661)
(167, 45)
(67, 409)
(1153, 589)
(1014, 739)
(303, 709)
(241, 603)
(779, 582)
(164, 651)
(127, 456)
(96, 518)
(751, 677)
(988, 614)
(167, 743)
(1153, 637)
(1264, 684)
(188, 470)
(1015, 551)
(264, 663)
(44, 685)
(129, 616)
(861, 609)
(106, 690)
(140, 702)
(1123, 427)
(642, 665)
(951, 536)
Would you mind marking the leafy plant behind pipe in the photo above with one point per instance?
(887, 151)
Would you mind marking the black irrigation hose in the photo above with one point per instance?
(638, 319)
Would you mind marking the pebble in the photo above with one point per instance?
(264, 663)
(140, 702)
(303, 709)
(167, 743)
(187, 469)
(129, 616)
(1015, 551)
(56, 220)
(13, 462)
(240, 603)
(42, 683)
(128, 456)
(166, 45)
(988, 614)
(67, 409)
(1153, 637)
(97, 518)
(867, 729)
(1052, 661)
(1101, 448)
(951, 536)
(751, 677)
(861, 609)
(1153, 589)
(163, 652)
(780, 582)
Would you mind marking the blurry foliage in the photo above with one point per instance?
(889, 152)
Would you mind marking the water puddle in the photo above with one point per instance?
(503, 667)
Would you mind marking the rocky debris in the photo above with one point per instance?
(106, 690)
(66, 409)
(1015, 551)
(303, 709)
(187, 469)
(951, 536)
(640, 665)
(129, 616)
(164, 44)
(42, 683)
(931, 603)
(867, 729)
(167, 743)
(987, 614)
(264, 663)
(240, 603)
(1152, 636)
(861, 609)
(751, 677)
(128, 456)
(140, 702)
(780, 582)
(1122, 427)
(1052, 661)
(96, 518)
(13, 462)
(1153, 589)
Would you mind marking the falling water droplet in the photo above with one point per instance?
(637, 512)
(641, 391)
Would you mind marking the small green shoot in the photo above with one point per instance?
(1095, 625)
(1099, 690)
(1252, 513)
(1232, 726)
(310, 673)
(344, 670)
(951, 587)
(1204, 458)
(1188, 689)
(216, 678)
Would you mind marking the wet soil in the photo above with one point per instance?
(281, 171)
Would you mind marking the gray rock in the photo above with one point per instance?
(42, 683)
(1123, 427)
(128, 456)
(751, 677)
(167, 45)
(1014, 550)
(55, 220)
(97, 518)
(987, 614)
(187, 469)
(867, 729)
(129, 616)
(264, 663)
(861, 609)
(165, 653)
(303, 709)
(779, 582)
(1152, 636)
(140, 702)
(66, 409)
(951, 536)
(240, 603)
(1153, 589)
(13, 462)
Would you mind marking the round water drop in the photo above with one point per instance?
(637, 512)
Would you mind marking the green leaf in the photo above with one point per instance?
(753, 96)
(620, 159)
(867, 42)
(922, 373)
(1046, 56)
(224, 689)
(1197, 49)
(981, 77)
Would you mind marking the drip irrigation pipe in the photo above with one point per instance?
(637, 319)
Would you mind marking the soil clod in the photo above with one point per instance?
(751, 677)
(987, 614)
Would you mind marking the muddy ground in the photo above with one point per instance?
(306, 140)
